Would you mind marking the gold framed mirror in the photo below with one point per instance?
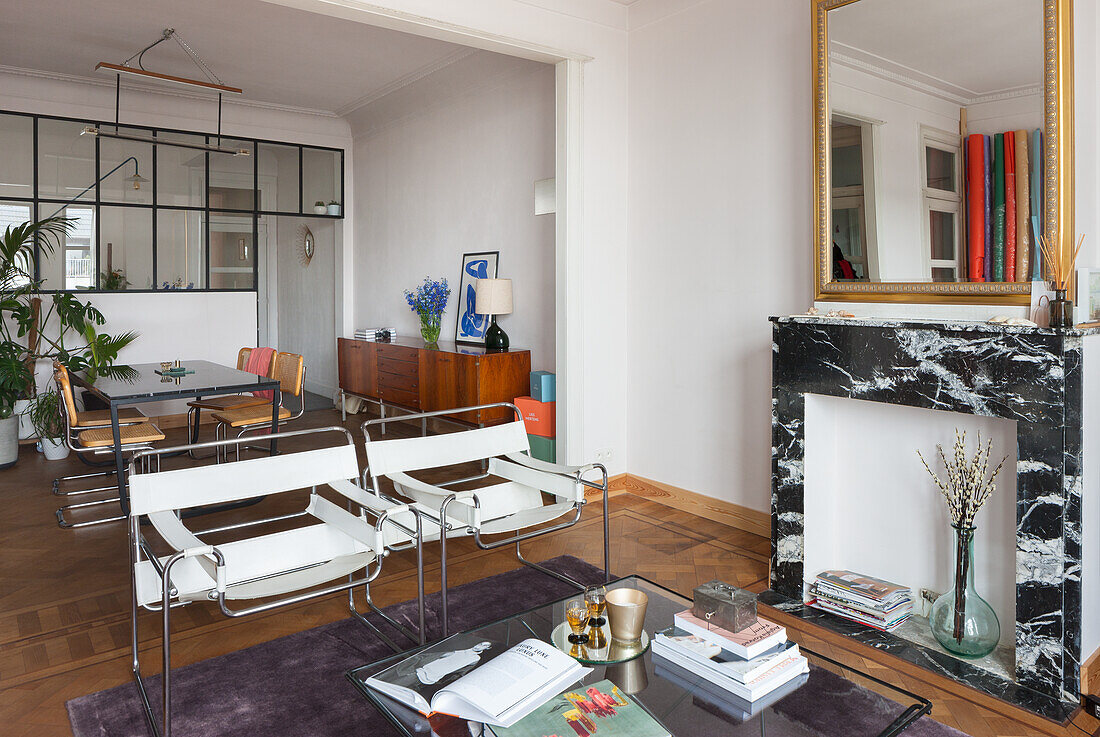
(899, 218)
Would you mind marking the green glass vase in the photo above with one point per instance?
(430, 324)
(963, 622)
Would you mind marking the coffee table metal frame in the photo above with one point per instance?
(918, 706)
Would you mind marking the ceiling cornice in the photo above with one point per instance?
(405, 81)
(892, 72)
(185, 94)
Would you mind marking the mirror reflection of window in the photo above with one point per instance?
(849, 205)
(942, 206)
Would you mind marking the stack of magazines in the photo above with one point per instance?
(747, 666)
(864, 599)
(378, 334)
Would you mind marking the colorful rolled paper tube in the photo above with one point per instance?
(1036, 203)
(975, 211)
(987, 263)
(1023, 208)
(999, 207)
(1010, 206)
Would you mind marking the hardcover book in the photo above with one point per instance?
(600, 709)
(748, 643)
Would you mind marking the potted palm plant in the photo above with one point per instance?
(48, 423)
(67, 331)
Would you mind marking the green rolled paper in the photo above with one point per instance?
(999, 207)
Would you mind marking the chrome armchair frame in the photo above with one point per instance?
(140, 550)
(576, 473)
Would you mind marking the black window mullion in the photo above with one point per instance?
(98, 233)
(206, 228)
(153, 178)
(37, 215)
(301, 185)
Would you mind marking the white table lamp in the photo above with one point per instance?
(494, 297)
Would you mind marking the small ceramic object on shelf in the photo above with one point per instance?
(319, 208)
(333, 207)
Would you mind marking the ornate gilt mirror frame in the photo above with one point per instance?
(1057, 163)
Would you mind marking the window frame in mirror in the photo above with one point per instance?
(1058, 152)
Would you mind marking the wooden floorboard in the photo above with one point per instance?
(64, 597)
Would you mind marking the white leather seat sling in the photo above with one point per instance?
(510, 503)
(347, 540)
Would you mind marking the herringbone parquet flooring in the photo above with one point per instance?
(64, 629)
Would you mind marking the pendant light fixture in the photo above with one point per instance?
(213, 84)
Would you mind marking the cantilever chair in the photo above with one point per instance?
(509, 509)
(290, 370)
(89, 433)
(228, 401)
(295, 564)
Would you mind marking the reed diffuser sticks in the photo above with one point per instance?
(1059, 271)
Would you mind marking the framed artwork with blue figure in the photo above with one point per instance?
(470, 327)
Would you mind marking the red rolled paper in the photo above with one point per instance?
(975, 188)
(1010, 206)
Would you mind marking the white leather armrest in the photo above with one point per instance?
(430, 496)
(539, 465)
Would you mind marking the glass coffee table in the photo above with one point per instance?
(826, 702)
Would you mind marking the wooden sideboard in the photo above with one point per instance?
(409, 374)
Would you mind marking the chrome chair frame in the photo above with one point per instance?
(575, 472)
(71, 434)
(139, 547)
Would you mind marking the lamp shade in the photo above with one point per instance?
(493, 297)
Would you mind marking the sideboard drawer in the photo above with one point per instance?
(387, 365)
(397, 381)
(397, 352)
(400, 397)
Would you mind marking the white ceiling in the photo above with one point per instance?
(275, 54)
(981, 47)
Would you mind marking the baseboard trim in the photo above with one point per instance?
(734, 515)
(1090, 675)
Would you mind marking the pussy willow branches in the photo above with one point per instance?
(968, 483)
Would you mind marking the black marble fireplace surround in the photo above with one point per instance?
(1029, 375)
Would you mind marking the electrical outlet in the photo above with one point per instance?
(923, 605)
(603, 455)
(929, 596)
(1091, 704)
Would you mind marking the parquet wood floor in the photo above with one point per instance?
(64, 600)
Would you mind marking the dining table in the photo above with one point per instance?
(149, 384)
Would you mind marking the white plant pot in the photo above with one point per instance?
(54, 449)
(9, 441)
(320, 210)
(333, 209)
(26, 428)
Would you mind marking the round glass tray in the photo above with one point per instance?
(601, 648)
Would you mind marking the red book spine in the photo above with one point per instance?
(975, 183)
(1010, 206)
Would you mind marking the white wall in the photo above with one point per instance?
(871, 507)
(440, 174)
(552, 30)
(720, 236)
(306, 317)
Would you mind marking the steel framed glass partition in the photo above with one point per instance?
(193, 224)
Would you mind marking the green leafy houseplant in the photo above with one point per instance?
(65, 331)
(45, 413)
(113, 281)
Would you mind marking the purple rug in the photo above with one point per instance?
(295, 685)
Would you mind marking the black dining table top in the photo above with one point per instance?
(208, 378)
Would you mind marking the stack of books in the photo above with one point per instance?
(748, 665)
(864, 599)
(379, 334)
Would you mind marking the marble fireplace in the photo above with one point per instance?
(1030, 376)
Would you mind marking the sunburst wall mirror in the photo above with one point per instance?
(307, 245)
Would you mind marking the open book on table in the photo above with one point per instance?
(475, 678)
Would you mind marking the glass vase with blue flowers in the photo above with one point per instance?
(428, 301)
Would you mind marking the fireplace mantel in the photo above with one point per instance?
(1030, 375)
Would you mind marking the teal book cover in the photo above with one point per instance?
(600, 709)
